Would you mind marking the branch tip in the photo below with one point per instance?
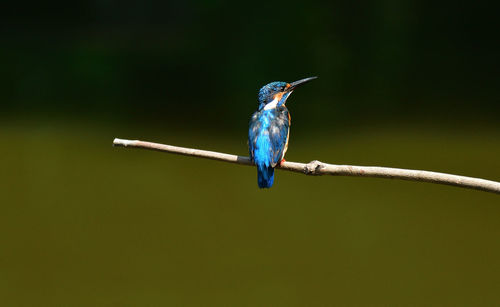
(122, 142)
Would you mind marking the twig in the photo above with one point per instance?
(319, 168)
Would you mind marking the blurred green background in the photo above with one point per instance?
(411, 84)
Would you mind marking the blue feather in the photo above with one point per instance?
(265, 172)
(267, 138)
(265, 176)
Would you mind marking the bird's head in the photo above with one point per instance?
(275, 94)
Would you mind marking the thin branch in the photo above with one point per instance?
(319, 168)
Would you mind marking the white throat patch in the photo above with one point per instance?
(273, 104)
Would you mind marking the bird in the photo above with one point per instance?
(269, 129)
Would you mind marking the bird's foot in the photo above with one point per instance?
(282, 160)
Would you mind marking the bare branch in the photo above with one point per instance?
(319, 168)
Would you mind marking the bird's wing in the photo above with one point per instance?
(253, 133)
(278, 134)
(268, 136)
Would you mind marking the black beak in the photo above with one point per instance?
(295, 84)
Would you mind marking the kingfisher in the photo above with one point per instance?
(270, 129)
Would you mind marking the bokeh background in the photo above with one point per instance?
(411, 84)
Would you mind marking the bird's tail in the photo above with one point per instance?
(265, 176)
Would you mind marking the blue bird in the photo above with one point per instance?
(270, 128)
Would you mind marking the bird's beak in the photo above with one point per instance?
(295, 84)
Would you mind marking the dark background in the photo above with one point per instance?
(410, 84)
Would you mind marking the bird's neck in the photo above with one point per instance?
(272, 105)
(279, 100)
